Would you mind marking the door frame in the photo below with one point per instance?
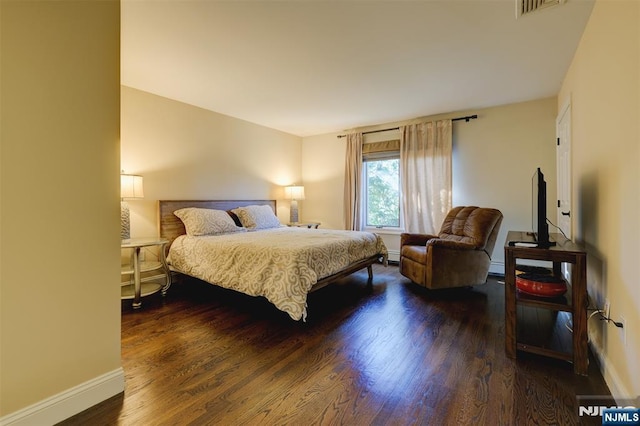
(564, 185)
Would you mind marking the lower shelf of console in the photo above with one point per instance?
(544, 332)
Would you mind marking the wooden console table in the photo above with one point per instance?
(574, 302)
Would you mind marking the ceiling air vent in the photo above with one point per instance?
(524, 7)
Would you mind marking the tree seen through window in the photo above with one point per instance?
(383, 193)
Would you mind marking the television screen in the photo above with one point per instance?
(539, 225)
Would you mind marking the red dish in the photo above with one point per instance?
(541, 285)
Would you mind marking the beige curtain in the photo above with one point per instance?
(425, 167)
(353, 182)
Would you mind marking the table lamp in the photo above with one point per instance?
(130, 189)
(294, 193)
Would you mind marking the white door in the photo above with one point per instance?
(563, 165)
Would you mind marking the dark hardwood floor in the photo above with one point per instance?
(393, 354)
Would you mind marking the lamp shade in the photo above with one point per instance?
(131, 187)
(294, 192)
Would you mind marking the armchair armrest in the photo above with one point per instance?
(415, 239)
(451, 244)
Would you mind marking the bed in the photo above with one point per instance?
(240, 245)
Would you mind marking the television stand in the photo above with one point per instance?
(545, 244)
(521, 338)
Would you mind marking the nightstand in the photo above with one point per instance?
(304, 224)
(138, 289)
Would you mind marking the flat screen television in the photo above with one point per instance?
(539, 224)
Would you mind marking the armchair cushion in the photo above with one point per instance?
(472, 225)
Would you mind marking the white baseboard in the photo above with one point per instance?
(394, 255)
(611, 377)
(68, 403)
(496, 268)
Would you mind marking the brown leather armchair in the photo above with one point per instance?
(459, 256)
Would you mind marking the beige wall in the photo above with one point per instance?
(493, 161)
(185, 152)
(59, 307)
(603, 84)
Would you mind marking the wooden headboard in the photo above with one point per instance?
(171, 227)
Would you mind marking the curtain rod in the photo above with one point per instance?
(466, 119)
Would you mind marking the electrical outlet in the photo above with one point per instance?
(607, 308)
(623, 330)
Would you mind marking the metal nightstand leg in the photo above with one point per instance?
(167, 272)
(136, 278)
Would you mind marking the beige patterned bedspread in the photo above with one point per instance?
(281, 264)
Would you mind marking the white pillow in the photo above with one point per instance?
(257, 217)
(207, 221)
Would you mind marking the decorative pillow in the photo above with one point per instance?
(235, 218)
(207, 221)
(257, 217)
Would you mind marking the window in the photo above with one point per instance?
(382, 193)
(381, 181)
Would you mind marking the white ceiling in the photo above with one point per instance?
(311, 67)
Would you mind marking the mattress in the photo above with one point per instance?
(280, 264)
